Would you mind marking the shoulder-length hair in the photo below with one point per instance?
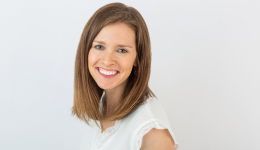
(87, 93)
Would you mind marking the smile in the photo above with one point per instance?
(107, 74)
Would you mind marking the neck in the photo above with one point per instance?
(112, 96)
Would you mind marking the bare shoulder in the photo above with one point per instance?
(157, 139)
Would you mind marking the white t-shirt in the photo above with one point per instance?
(127, 133)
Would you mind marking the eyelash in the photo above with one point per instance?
(120, 49)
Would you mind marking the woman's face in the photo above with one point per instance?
(112, 56)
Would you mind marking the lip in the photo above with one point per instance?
(107, 76)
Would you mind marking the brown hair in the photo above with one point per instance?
(87, 93)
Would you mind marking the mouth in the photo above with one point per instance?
(107, 73)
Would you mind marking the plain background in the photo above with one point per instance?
(205, 71)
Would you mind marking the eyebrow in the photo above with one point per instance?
(120, 45)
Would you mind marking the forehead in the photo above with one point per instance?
(118, 33)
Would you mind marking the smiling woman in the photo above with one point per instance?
(111, 92)
(109, 66)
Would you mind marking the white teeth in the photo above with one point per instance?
(107, 72)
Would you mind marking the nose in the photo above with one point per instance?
(108, 59)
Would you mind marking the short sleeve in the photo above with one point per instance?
(146, 127)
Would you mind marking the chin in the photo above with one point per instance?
(106, 86)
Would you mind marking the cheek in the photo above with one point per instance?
(92, 57)
(127, 64)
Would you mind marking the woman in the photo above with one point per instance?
(111, 92)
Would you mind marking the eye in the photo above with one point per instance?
(124, 50)
(98, 46)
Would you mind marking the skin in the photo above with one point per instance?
(109, 55)
(157, 139)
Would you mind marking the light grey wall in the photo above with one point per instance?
(205, 71)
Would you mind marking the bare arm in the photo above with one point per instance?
(157, 139)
